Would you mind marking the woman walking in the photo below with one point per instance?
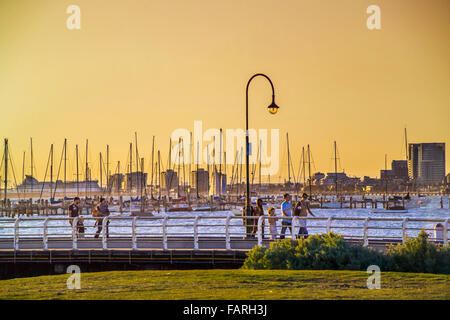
(259, 211)
(101, 211)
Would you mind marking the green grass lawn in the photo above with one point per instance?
(229, 284)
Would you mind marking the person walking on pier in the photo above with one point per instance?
(74, 211)
(259, 211)
(101, 211)
(302, 209)
(286, 211)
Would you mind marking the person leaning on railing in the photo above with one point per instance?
(100, 212)
(259, 211)
(74, 211)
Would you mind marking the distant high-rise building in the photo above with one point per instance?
(169, 179)
(200, 180)
(426, 162)
(386, 174)
(136, 180)
(400, 169)
(219, 183)
(115, 181)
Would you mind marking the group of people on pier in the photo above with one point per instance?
(100, 211)
(300, 209)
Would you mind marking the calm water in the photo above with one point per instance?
(207, 226)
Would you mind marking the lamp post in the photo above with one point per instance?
(273, 109)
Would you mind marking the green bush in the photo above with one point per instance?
(419, 255)
(331, 252)
(317, 252)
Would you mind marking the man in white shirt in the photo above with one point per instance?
(286, 211)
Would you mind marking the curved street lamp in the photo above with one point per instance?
(273, 109)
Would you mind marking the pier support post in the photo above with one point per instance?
(260, 232)
(445, 233)
(404, 233)
(227, 232)
(197, 218)
(164, 229)
(45, 234)
(133, 234)
(105, 232)
(366, 232)
(75, 233)
(16, 234)
(329, 221)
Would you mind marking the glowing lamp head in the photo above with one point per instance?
(273, 108)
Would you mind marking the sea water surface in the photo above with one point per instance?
(212, 223)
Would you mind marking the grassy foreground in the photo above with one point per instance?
(229, 284)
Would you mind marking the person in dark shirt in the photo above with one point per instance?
(102, 211)
(74, 211)
(259, 211)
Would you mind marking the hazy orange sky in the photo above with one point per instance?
(154, 66)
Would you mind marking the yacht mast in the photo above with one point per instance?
(335, 170)
(6, 171)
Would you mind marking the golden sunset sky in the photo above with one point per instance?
(154, 66)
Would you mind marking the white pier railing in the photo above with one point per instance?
(194, 229)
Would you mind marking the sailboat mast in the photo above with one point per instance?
(23, 167)
(309, 170)
(170, 154)
(137, 162)
(207, 164)
(196, 176)
(86, 172)
(51, 170)
(142, 178)
(220, 163)
(184, 173)
(335, 170)
(78, 178)
(289, 160)
(131, 168)
(159, 174)
(31, 163)
(190, 165)
(6, 171)
(118, 179)
(304, 167)
(225, 171)
(153, 156)
(178, 171)
(101, 182)
(31, 159)
(107, 168)
(65, 166)
(259, 173)
(406, 145)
